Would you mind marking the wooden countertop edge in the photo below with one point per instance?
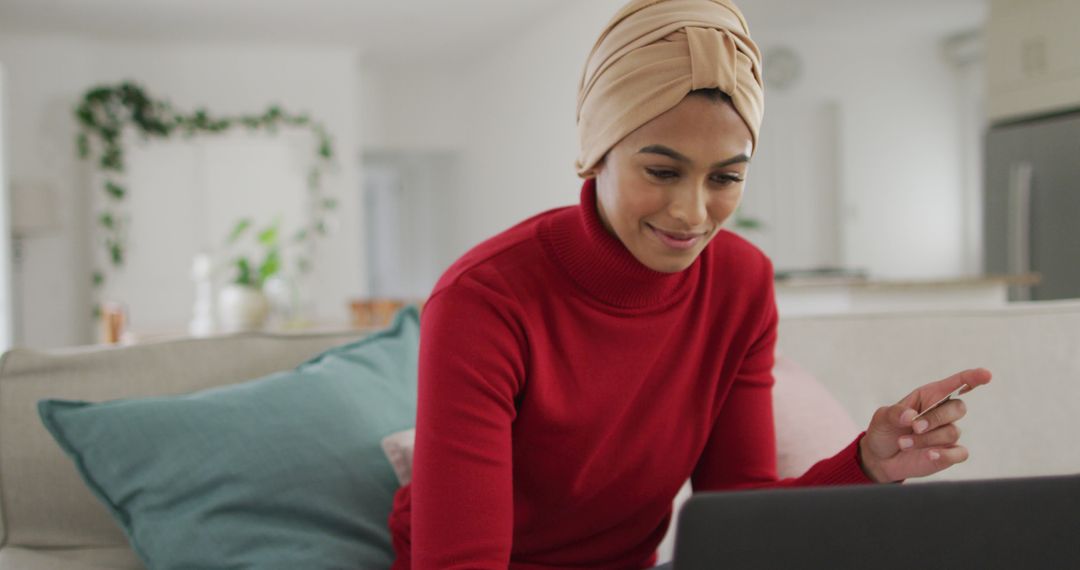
(1026, 279)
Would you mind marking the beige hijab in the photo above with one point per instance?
(654, 52)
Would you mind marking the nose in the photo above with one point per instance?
(689, 205)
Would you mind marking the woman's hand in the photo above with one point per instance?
(893, 449)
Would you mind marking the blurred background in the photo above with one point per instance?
(447, 122)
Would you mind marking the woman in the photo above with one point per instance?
(577, 368)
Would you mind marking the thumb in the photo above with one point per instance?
(888, 424)
(882, 437)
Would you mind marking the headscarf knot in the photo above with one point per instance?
(713, 59)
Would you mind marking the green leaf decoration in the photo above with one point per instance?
(82, 143)
(110, 133)
(85, 115)
(268, 236)
(98, 278)
(299, 121)
(238, 230)
(105, 111)
(112, 159)
(247, 273)
(116, 253)
(99, 94)
(243, 273)
(115, 190)
(748, 223)
(270, 266)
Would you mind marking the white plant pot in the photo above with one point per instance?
(242, 308)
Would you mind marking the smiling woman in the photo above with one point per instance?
(580, 366)
(557, 354)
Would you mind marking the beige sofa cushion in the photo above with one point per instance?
(101, 558)
(44, 501)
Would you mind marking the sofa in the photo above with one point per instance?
(832, 373)
(1017, 426)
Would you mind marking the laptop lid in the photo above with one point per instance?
(998, 523)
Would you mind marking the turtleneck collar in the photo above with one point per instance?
(601, 265)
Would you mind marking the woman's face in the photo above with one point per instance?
(666, 189)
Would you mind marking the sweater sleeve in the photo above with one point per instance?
(741, 449)
(470, 370)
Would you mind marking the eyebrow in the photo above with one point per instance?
(672, 153)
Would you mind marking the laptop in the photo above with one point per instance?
(998, 523)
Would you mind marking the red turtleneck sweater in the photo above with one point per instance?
(566, 392)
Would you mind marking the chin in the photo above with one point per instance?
(672, 263)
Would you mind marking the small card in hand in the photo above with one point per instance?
(948, 397)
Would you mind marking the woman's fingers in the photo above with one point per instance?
(944, 436)
(943, 457)
(974, 378)
(897, 446)
(945, 414)
(891, 429)
(926, 395)
(921, 462)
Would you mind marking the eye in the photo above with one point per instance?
(727, 179)
(662, 174)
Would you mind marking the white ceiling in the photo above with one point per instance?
(385, 29)
(412, 30)
(869, 16)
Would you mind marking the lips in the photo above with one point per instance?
(678, 235)
(672, 241)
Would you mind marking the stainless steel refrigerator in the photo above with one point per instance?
(1032, 204)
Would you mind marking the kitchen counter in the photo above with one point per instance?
(866, 282)
(807, 294)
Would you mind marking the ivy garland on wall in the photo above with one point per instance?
(105, 112)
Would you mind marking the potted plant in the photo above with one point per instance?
(242, 304)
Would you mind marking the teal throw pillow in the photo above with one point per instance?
(285, 471)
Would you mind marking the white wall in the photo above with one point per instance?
(900, 161)
(6, 317)
(510, 111)
(408, 201)
(47, 76)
